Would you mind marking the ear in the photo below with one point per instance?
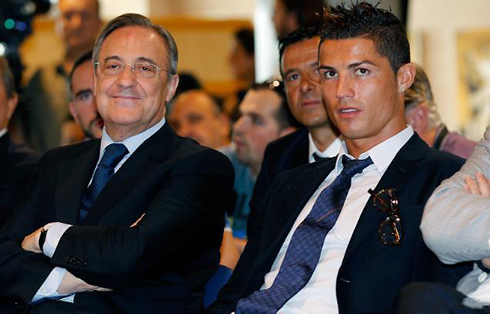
(172, 87)
(11, 105)
(405, 77)
(418, 118)
(73, 112)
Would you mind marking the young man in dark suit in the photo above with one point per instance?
(129, 223)
(342, 235)
(17, 162)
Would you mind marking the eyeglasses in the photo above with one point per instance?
(141, 69)
(390, 231)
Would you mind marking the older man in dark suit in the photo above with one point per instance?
(342, 235)
(17, 161)
(129, 223)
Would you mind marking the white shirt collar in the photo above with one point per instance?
(133, 142)
(3, 132)
(331, 151)
(381, 154)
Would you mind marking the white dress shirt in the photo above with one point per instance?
(319, 294)
(57, 229)
(331, 151)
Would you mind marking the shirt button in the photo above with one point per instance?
(482, 277)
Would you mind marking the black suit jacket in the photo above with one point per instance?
(371, 273)
(17, 167)
(285, 153)
(161, 264)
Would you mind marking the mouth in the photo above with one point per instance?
(348, 112)
(311, 102)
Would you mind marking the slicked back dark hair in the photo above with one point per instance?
(297, 36)
(363, 20)
(283, 116)
(87, 56)
(246, 37)
(308, 12)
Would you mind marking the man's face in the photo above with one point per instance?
(195, 115)
(302, 81)
(257, 125)
(281, 19)
(7, 106)
(128, 103)
(242, 64)
(82, 107)
(80, 23)
(364, 98)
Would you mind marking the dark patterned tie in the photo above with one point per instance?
(113, 154)
(306, 244)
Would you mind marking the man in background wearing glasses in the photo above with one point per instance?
(342, 235)
(105, 225)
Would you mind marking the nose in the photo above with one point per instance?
(240, 125)
(344, 88)
(76, 21)
(127, 78)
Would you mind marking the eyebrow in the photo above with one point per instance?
(352, 65)
(139, 59)
(310, 65)
(82, 92)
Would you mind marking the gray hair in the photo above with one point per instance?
(421, 92)
(7, 78)
(133, 19)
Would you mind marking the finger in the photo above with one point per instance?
(472, 185)
(483, 184)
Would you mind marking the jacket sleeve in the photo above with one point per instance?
(455, 224)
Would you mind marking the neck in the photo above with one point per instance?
(254, 170)
(430, 135)
(356, 147)
(322, 137)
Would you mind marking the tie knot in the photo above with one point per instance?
(113, 155)
(354, 166)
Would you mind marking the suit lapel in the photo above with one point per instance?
(72, 180)
(295, 195)
(154, 151)
(401, 168)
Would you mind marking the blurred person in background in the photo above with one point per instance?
(289, 15)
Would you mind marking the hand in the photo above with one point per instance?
(31, 242)
(137, 221)
(71, 284)
(486, 262)
(478, 186)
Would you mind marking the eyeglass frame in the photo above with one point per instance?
(133, 69)
(392, 218)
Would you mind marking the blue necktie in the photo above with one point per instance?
(113, 154)
(306, 244)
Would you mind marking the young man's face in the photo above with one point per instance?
(300, 75)
(362, 94)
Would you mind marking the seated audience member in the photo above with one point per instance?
(264, 117)
(242, 64)
(195, 114)
(421, 113)
(47, 93)
(105, 225)
(17, 162)
(455, 227)
(82, 104)
(342, 235)
(298, 55)
(289, 15)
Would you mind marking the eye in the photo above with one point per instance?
(328, 74)
(362, 72)
(292, 77)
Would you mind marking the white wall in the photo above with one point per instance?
(433, 27)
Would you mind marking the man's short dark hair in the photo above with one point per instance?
(86, 57)
(133, 19)
(307, 12)
(245, 36)
(7, 78)
(363, 20)
(283, 116)
(297, 36)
